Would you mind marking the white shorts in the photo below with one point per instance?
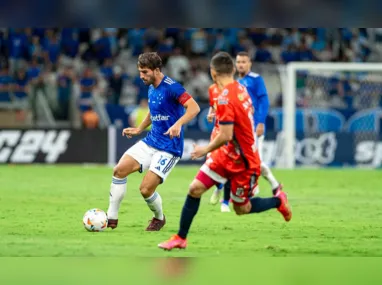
(157, 161)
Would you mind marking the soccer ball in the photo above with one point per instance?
(95, 220)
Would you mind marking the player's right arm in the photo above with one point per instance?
(225, 135)
(145, 123)
(226, 115)
(211, 115)
(211, 112)
(130, 132)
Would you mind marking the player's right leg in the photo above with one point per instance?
(134, 159)
(204, 180)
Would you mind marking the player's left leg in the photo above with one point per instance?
(265, 170)
(224, 207)
(227, 196)
(241, 187)
(161, 165)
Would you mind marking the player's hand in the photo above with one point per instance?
(260, 130)
(174, 131)
(210, 117)
(198, 152)
(130, 132)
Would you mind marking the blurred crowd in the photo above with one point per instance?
(103, 61)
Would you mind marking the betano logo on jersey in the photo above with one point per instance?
(158, 118)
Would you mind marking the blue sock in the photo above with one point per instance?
(263, 204)
(190, 208)
(227, 193)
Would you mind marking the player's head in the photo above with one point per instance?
(222, 65)
(149, 66)
(243, 63)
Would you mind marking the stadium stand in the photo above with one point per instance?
(80, 77)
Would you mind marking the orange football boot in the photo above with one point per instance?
(174, 242)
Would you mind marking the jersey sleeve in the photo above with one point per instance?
(262, 99)
(179, 93)
(260, 89)
(225, 112)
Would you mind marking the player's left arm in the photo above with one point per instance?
(261, 110)
(192, 109)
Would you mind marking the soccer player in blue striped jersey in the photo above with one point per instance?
(170, 107)
(256, 88)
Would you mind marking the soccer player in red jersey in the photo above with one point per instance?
(234, 155)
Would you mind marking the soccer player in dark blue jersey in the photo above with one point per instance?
(170, 107)
(256, 88)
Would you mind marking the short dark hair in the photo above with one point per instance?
(243, 53)
(150, 60)
(223, 63)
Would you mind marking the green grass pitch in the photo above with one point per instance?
(336, 212)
